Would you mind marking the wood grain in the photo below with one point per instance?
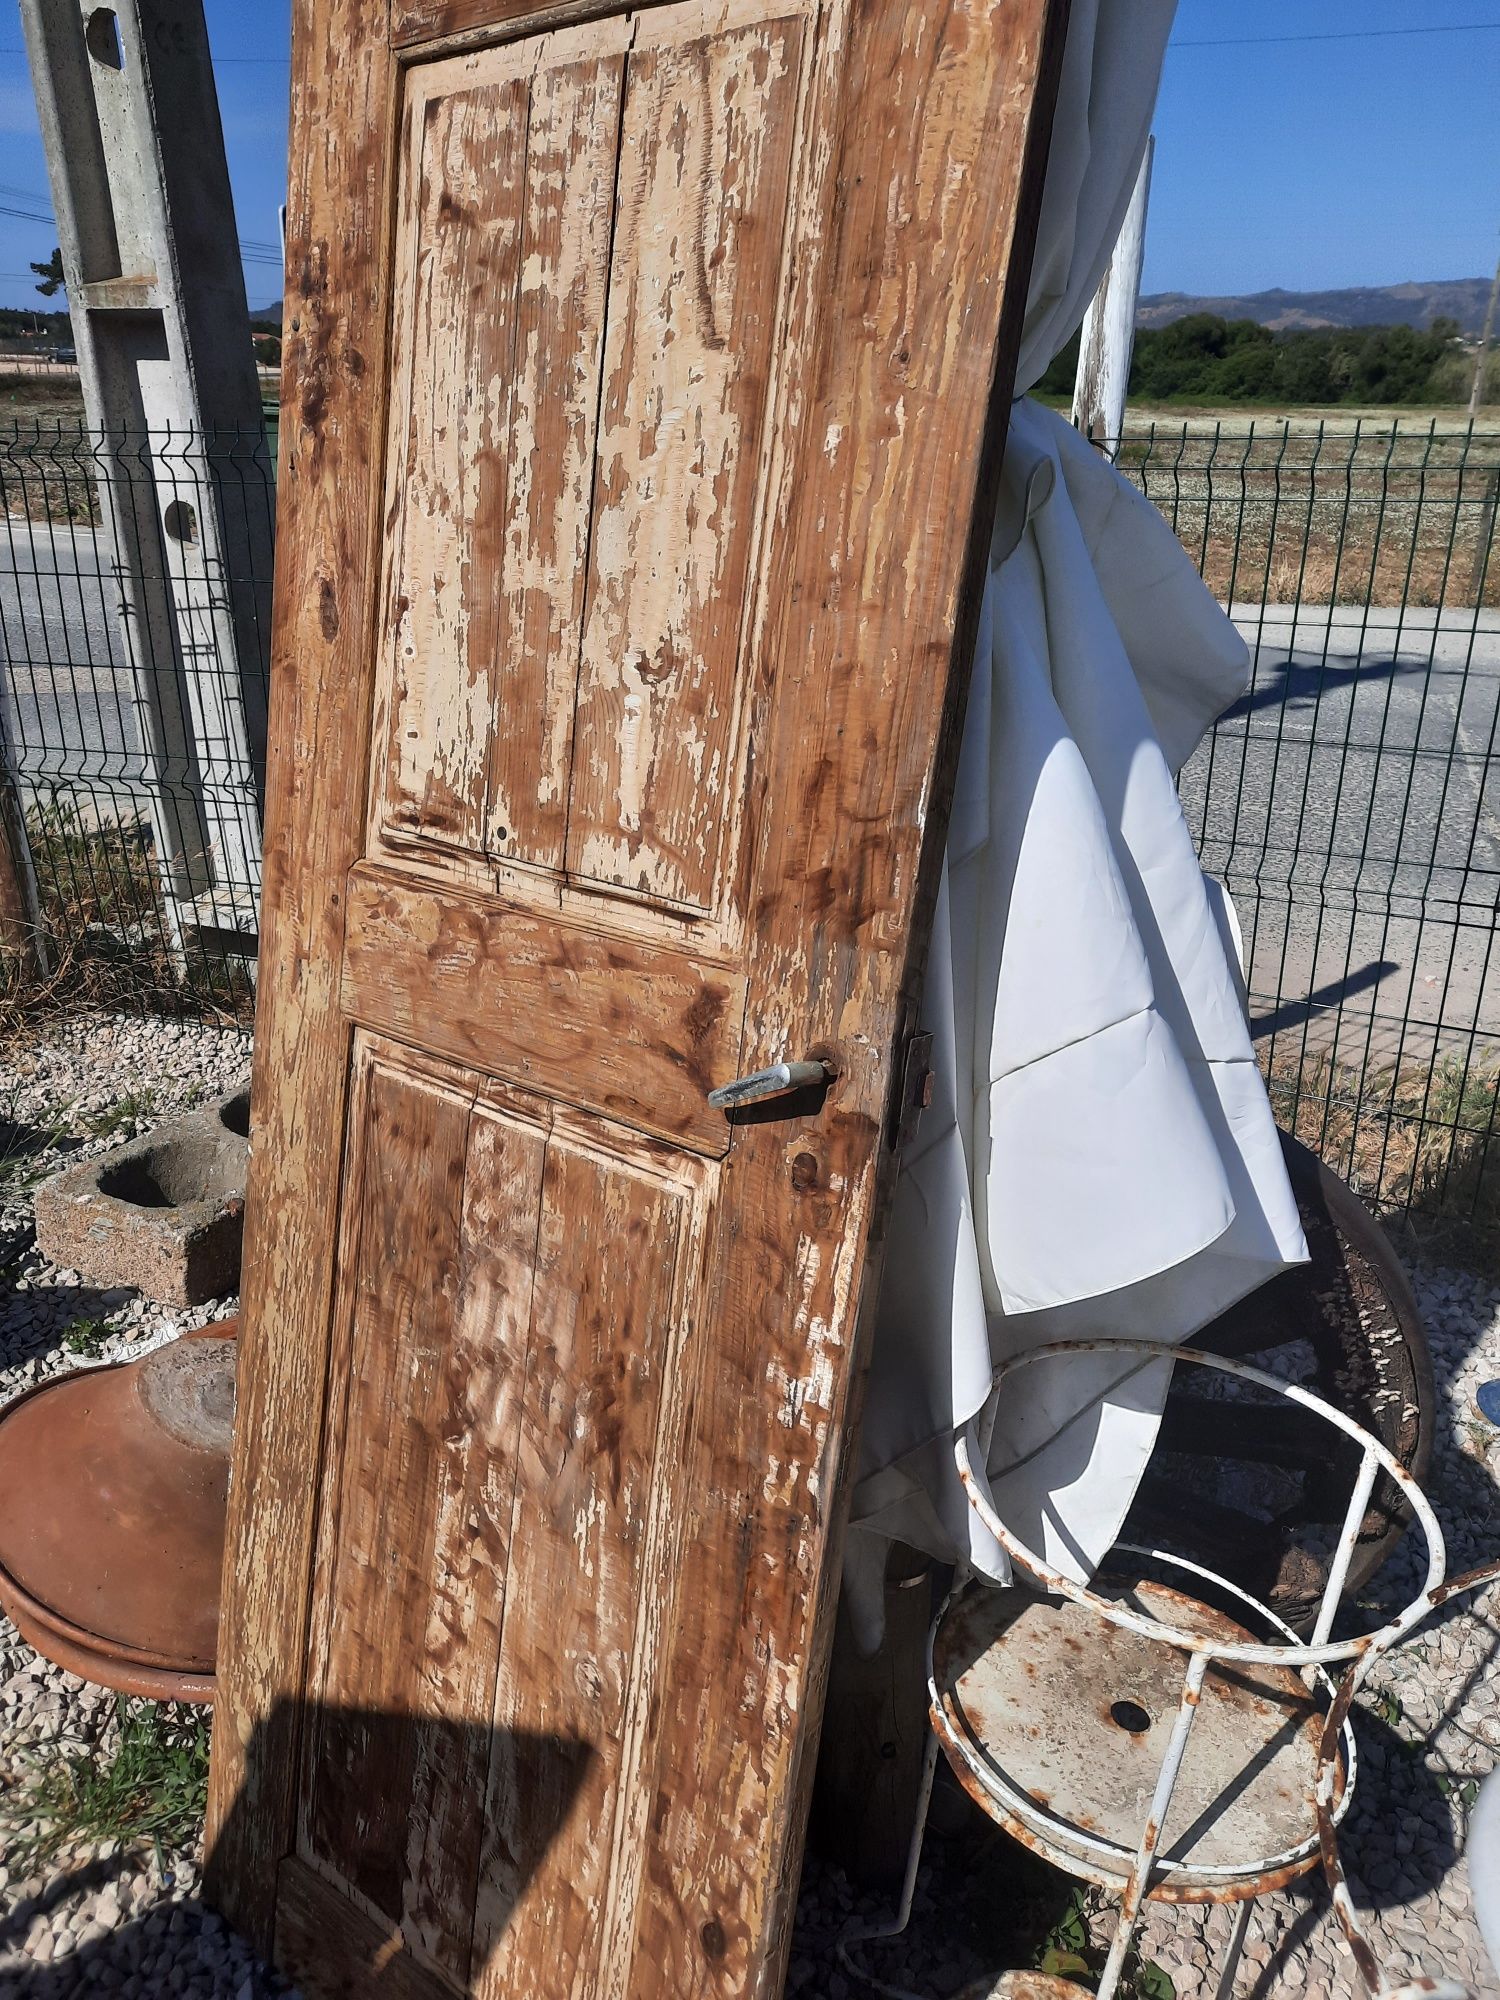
(637, 1031)
(332, 404)
(459, 239)
(419, 1560)
(935, 149)
(507, 197)
(571, 166)
(656, 1612)
(706, 144)
(593, 1470)
(344, 1954)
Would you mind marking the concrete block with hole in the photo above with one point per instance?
(164, 1213)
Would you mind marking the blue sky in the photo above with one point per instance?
(1315, 163)
(250, 44)
(1363, 159)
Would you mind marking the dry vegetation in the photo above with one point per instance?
(1283, 514)
(1420, 1138)
(106, 939)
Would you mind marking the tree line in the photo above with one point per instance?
(1205, 359)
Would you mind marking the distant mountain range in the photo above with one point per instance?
(1463, 299)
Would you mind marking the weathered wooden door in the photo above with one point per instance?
(646, 375)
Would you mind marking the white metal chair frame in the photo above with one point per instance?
(1310, 1658)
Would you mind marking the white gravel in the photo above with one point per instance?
(130, 1924)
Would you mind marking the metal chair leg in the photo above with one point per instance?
(1235, 1951)
(858, 1933)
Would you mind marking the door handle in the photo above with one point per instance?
(780, 1080)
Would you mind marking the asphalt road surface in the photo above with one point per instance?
(65, 694)
(1352, 803)
(1351, 800)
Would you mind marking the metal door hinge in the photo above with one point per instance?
(915, 1093)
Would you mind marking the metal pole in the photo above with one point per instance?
(135, 153)
(1476, 393)
(1354, 1515)
(1161, 1799)
(1108, 336)
(21, 934)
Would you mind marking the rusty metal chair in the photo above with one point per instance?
(1143, 1738)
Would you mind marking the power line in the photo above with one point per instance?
(1345, 35)
(216, 60)
(254, 250)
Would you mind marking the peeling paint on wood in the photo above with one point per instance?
(652, 605)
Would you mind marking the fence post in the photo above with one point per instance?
(1108, 336)
(22, 937)
(145, 218)
(1487, 509)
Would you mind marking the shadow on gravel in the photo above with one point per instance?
(177, 1949)
(35, 1321)
(369, 1776)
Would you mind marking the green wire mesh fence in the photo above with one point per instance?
(135, 577)
(1351, 801)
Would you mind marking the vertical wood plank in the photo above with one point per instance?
(459, 259)
(608, 1288)
(332, 406)
(401, 1741)
(538, 592)
(924, 225)
(705, 154)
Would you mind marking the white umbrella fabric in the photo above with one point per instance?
(1100, 1156)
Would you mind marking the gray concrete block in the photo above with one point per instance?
(164, 1213)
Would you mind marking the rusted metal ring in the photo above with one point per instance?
(1108, 1863)
(1297, 1654)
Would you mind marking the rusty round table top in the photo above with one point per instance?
(1074, 1713)
(112, 1495)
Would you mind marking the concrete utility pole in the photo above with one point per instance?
(1108, 335)
(135, 152)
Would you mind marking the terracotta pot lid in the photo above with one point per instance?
(112, 1495)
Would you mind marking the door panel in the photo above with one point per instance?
(574, 511)
(502, 1484)
(646, 374)
(706, 144)
(502, 250)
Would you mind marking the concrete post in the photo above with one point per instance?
(135, 152)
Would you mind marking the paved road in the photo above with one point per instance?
(1352, 801)
(65, 691)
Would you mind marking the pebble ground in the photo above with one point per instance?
(100, 1920)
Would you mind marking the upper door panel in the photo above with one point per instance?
(589, 266)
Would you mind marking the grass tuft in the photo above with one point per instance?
(22, 1145)
(148, 1784)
